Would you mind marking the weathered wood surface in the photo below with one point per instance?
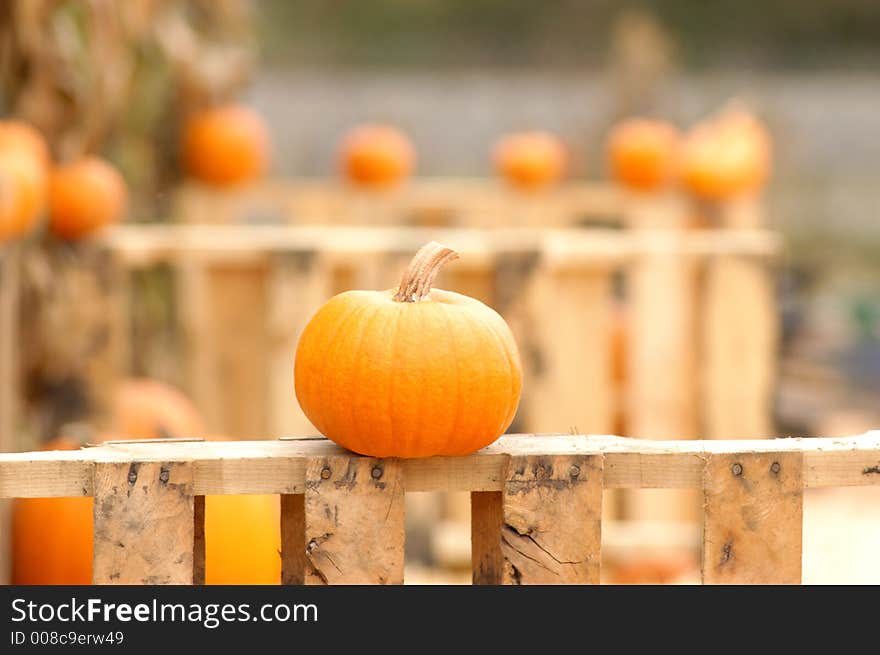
(354, 529)
(279, 467)
(144, 523)
(753, 518)
(544, 527)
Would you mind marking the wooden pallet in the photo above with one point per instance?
(536, 501)
(448, 202)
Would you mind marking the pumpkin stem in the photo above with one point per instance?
(415, 285)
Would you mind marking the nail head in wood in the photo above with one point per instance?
(574, 471)
(737, 469)
(775, 468)
(376, 472)
(325, 473)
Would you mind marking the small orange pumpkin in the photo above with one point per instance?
(226, 146)
(24, 166)
(20, 136)
(409, 372)
(643, 154)
(52, 539)
(530, 160)
(376, 155)
(726, 157)
(149, 409)
(23, 187)
(85, 195)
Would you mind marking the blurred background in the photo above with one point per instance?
(121, 80)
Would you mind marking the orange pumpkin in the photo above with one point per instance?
(376, 155)
(149, 409)
(23, 180)
(84, 196)
(52, 537)
(643, 154)
(226, 146)
(530, 160)
(726, 157)
(409, 372)
(19, 136)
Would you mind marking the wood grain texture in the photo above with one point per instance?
(549, 530)
(144, 523)
(198, 540)
(354, 521)
(753, 519)
(293, 539)
(487, 519)
(279, 467)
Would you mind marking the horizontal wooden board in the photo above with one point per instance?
(278, 467)
(147, 245)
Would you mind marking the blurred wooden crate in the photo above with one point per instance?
(437, 202)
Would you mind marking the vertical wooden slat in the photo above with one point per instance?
(299, 283)
(227, 340)
(569, 378)
(487, 517)
(545, 527)
(740, 336)
(753, 520)
(354, 521)
(661, 288)
(293, 539)
(144, 523)
(9, 287)
(198, 540)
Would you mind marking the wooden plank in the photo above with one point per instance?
(545, 527)
(298, 284)
(227, 347)
(145, 245)
(293, 539)
(753, 521)
(144, 523)
(354, 528)
(198, 540)
(570, 388)
(661, 400)
(9, 371)
(279, 467)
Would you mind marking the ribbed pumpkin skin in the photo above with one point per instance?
(408, 379)
(643, 154)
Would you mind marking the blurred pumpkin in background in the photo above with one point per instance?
(85, 195)
(226, 146)
(376, 155)
(52, 537)
(726, 156)
(24, 165)
(530, 160)
(643, 154)
(150, 409)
